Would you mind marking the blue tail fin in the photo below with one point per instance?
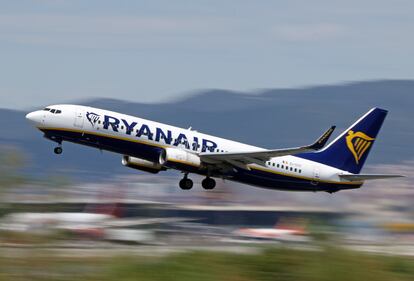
(350, 150)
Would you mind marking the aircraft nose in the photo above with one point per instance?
(34, 117)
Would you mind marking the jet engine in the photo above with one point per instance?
(141, 164)
(179, 156)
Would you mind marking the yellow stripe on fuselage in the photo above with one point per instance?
(263, 169)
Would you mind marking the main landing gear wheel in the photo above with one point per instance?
(208, 183)
(58, 150)
(186, 183)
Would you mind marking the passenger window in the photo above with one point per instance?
(300, 171)
(122, 127)
(291, 168)
(287, 168)
(283, 166)
(295, 170)
(99, 122)
(278, 165)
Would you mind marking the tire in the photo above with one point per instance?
(208, 183)
(58, 150)
(186, 184)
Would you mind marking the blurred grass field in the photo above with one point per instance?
(272, 264)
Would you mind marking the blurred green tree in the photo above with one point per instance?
(12, 161)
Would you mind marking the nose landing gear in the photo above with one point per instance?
(58, 150)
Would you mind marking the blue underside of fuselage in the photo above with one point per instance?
(253, 177)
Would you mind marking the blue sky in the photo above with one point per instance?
(54, 51)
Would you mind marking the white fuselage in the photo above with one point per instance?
(98, 126)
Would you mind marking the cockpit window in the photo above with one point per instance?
(53, 110)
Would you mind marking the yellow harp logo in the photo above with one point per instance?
(358, 143)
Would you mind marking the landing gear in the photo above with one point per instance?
(186, 183)
(58, 150)
(208, 183)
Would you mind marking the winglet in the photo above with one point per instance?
(323, 139)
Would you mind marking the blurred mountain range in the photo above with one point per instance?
(272, 118)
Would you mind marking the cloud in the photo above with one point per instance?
(105, 31)
(101, 24)
(110, 31)
(307, 32)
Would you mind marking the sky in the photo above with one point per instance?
(56, 51)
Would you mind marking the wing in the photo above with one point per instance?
(363, 177)
(241, 159)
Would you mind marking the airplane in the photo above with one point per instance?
(268, 233)
(293, 233)
(76, 222)
(95, 224)
(153, 147)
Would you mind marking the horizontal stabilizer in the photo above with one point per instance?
(363, 177)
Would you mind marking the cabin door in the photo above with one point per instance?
(316, 176)
(79, 119)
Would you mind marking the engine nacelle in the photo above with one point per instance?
(141, 164)
(176, 155)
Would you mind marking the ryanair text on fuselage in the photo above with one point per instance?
(156, 134)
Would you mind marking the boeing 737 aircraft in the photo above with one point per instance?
(153, 147)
